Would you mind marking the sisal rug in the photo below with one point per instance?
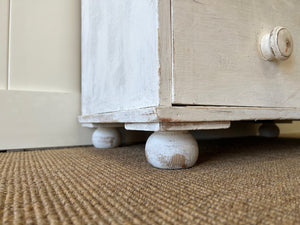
(236, 181)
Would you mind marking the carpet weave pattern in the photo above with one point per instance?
(236, 181)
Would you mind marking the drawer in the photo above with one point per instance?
(217, 58)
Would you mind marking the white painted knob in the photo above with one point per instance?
(277, 45)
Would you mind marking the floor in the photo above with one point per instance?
(236, 181)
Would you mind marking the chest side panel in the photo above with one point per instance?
(120, 66)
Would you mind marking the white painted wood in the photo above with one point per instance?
(196, 53)
(128, 137)
(135, 116)
(40, 119)
(265, 47)
(45, 45)
(4, 28)
(206, 113)
(217, 53)
(96, 125)
(281, 43)
(106, 137)
(193, 114)
(172, 150)
(165, 53)
(277, 45)
(120, 56)
(165, 126)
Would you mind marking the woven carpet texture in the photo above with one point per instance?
(236, 181)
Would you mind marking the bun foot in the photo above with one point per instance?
(269, 130)
(106, 137)
(172, 150)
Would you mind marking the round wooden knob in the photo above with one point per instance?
(277, 45)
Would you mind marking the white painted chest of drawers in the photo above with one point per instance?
(170, 66)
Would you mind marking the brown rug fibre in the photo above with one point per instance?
(236, 181)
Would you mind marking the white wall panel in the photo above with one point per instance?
(41, 105)
(4, 18)
(40, 119)
(45, 45)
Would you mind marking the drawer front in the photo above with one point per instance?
(217, 58)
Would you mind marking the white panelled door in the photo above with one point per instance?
(40, 74)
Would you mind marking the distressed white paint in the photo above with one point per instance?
(135, 116)
(207, 113)
(120, 55)
(193, 114)
(165, 126)
(127, 78)
(172, 150)
(165, 52)
(277, 45)
(95, 125)
(127, 136)
(217, 59)
(265, 47)
(106, 137)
